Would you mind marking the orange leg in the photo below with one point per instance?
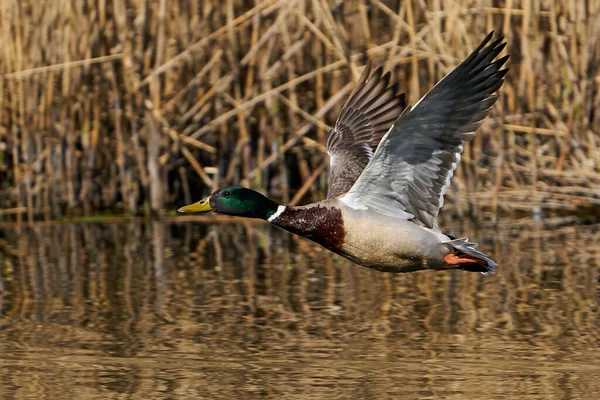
(453, 259)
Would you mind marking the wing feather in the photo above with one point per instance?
(412, 167)
(367, 115)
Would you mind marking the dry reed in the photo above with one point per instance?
(137, 106)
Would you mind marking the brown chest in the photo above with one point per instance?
(324, 225)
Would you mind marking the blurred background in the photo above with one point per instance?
(112, 108)
(137, 107)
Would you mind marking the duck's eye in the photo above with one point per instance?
(226, 194)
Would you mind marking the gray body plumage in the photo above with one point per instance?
(391, 244)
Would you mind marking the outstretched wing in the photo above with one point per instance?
(367, 115)
(413, 165)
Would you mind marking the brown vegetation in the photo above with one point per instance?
(131, 106)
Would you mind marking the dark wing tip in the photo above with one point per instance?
(489, 37)
(386, 78)
(501, 61)
(501, 46)
(484, 42)
(480, 66)
(402, 100)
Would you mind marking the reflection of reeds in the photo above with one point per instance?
(157, 263)
(117, 104)
(152, 297)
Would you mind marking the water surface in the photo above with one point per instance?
(243, 310)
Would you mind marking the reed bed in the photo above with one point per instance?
(140, 106)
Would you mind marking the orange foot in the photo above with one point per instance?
(453, 259)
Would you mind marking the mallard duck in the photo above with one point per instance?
(390, 166)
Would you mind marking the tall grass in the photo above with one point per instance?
(136, 106)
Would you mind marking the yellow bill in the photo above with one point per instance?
(201, 206)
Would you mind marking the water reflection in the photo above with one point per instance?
(229, 310)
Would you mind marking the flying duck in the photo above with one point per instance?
(390, 166)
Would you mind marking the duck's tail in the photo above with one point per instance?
(467, 258)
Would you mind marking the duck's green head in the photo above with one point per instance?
(234, 200)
